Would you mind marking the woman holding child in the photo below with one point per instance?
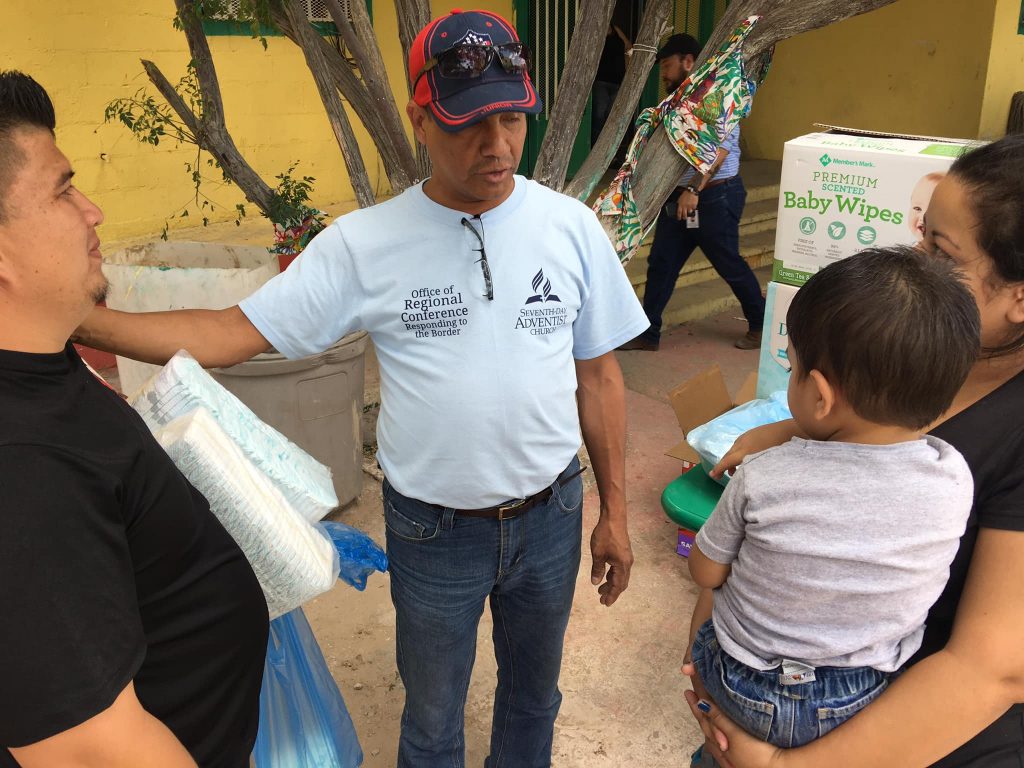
(957, 703)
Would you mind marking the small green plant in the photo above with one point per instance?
(151, 120)
(254, 13)
(291, 198)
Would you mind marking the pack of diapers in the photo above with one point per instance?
(292, 558)
(182, 386)
(713, 440)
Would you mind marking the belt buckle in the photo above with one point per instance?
(503, 508)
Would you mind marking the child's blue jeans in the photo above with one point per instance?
(787, 715)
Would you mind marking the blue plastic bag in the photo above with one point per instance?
(303, 719)
(359, 554)
(713, 440)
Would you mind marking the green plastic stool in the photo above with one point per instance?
(689, 501)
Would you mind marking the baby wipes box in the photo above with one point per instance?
(773, 367)
(844, 190)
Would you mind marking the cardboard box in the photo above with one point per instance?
(844, 190)
(773, 367)
(697, 401)
(700, 399)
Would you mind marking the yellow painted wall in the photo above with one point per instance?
(88, 53)
(1005, 70)
(916, 66)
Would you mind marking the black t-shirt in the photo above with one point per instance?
(113, 569)
(990, 435)
(612, 66)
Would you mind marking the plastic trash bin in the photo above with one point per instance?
(315, 401)
(689, 501)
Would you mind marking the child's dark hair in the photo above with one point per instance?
(893, 329)
(994, 176)
(23, 103)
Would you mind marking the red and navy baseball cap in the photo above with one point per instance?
(457, 103)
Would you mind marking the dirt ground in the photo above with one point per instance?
(623, 692)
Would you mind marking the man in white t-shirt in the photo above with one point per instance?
(494, 305)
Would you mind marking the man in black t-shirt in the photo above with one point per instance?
(611, 69)
(133, 631)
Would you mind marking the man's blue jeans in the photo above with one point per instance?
(443, 568)
(785, 715)
(718, 236)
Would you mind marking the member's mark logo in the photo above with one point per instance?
(825, 160)
(542, 286)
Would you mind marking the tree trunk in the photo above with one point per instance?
(652, 27)
(361, 40)
(308, 39)
(209, 128)
(660, 165)
(413, 15)
(574, 88)
(388, 135)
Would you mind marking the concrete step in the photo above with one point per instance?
(757, 249)
(759, 217)
(761, 178)
(700, 300)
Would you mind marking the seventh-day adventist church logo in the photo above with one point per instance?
(544, 312)
(543, 288)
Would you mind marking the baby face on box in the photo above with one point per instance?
(920, 197)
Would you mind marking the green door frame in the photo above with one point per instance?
(528, 29)
(697, 15)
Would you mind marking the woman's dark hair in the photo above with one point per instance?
(893, 329)
(23, 103)
(994, 174)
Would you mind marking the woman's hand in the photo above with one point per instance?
(757, 439)
(730, 745)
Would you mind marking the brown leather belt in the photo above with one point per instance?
(519, 506)
(710, 184)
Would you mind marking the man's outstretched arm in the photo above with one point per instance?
(216, 338)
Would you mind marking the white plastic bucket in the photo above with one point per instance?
(181, 275)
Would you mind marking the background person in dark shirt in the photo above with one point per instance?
(611, 69)
(132, 629)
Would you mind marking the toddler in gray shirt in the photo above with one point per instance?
(826, 553)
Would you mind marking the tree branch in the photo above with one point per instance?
(346, 138)
(652, 27)
(389, 138)
(413, 15)
(216, 141)
(209, 128)
(574, 88)
(660, 165)
(361, 40)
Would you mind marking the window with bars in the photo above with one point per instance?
(316, 11)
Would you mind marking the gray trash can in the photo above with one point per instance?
(316, 401)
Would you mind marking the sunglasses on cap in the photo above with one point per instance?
(466, 61)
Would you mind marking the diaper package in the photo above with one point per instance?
(293, 559)
(182, 386)
(713, 440)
